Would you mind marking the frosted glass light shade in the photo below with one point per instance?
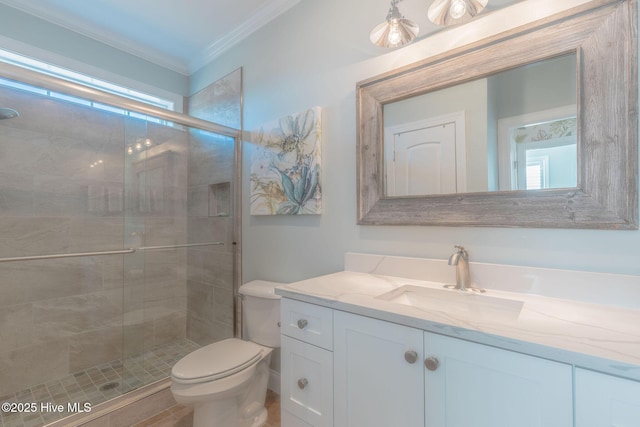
(452, 12)
(394, 34)
(395, 31)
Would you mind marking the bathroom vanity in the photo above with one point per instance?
(384, 344)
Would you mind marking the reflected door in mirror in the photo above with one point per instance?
(426, 157)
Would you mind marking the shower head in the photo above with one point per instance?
(8, 113)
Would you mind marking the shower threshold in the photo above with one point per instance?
(81, 391)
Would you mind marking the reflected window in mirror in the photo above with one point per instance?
(539, 153)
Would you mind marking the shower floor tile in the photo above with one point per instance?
(93, 385)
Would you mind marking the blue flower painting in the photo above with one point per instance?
(285, 170)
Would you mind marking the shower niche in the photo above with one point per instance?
(220, 199)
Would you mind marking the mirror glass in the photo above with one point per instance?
(513, 130)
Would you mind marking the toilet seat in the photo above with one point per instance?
(216, 361)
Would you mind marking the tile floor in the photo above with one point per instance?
(95, 385)
(180, 416)
(272, 404)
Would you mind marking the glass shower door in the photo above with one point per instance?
(178, 285)
(61, 220)
(155, 225)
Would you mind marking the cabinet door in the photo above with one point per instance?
(473, 385)
(378, 373)
(306, 383)
(606, 401)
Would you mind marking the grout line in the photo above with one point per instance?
(85, 386)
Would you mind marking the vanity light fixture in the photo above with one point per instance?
(395, 31)
(452, 12)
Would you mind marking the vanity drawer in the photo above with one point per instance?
(306, 383)
(307, 322)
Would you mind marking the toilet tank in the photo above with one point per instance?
(261, 312)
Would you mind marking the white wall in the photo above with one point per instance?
(314, 55)
(545, 85)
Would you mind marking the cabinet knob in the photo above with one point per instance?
(302, 323)
(431, 363)
(302, 383)
(410, 356)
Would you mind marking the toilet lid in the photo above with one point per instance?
(217, 360)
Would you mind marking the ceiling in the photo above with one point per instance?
(184, 35)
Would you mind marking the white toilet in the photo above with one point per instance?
(226, 382)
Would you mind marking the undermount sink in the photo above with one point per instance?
(455, 302)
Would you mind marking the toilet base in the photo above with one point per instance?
(224, 413)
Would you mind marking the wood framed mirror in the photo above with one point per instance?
(600, 39)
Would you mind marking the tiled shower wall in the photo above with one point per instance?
(210, 293)
(209, 268)
(63, 189)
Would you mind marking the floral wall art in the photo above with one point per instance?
(285, 168)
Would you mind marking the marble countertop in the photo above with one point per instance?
(600, 337)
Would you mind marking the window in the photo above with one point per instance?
(52, 70)
(537, 172)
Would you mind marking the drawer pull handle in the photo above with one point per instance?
(431, 363)
(302, 323)
(411, 356)
(302, 383)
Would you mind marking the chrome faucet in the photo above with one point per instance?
(460, 259)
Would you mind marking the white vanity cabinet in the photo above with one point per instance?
(387, 374)
(306, 394)
(606, 401)
(474, 385)
(378, 373)
(347, 370)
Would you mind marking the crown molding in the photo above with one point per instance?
(256, 21)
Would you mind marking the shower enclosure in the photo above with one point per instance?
(118, 243)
